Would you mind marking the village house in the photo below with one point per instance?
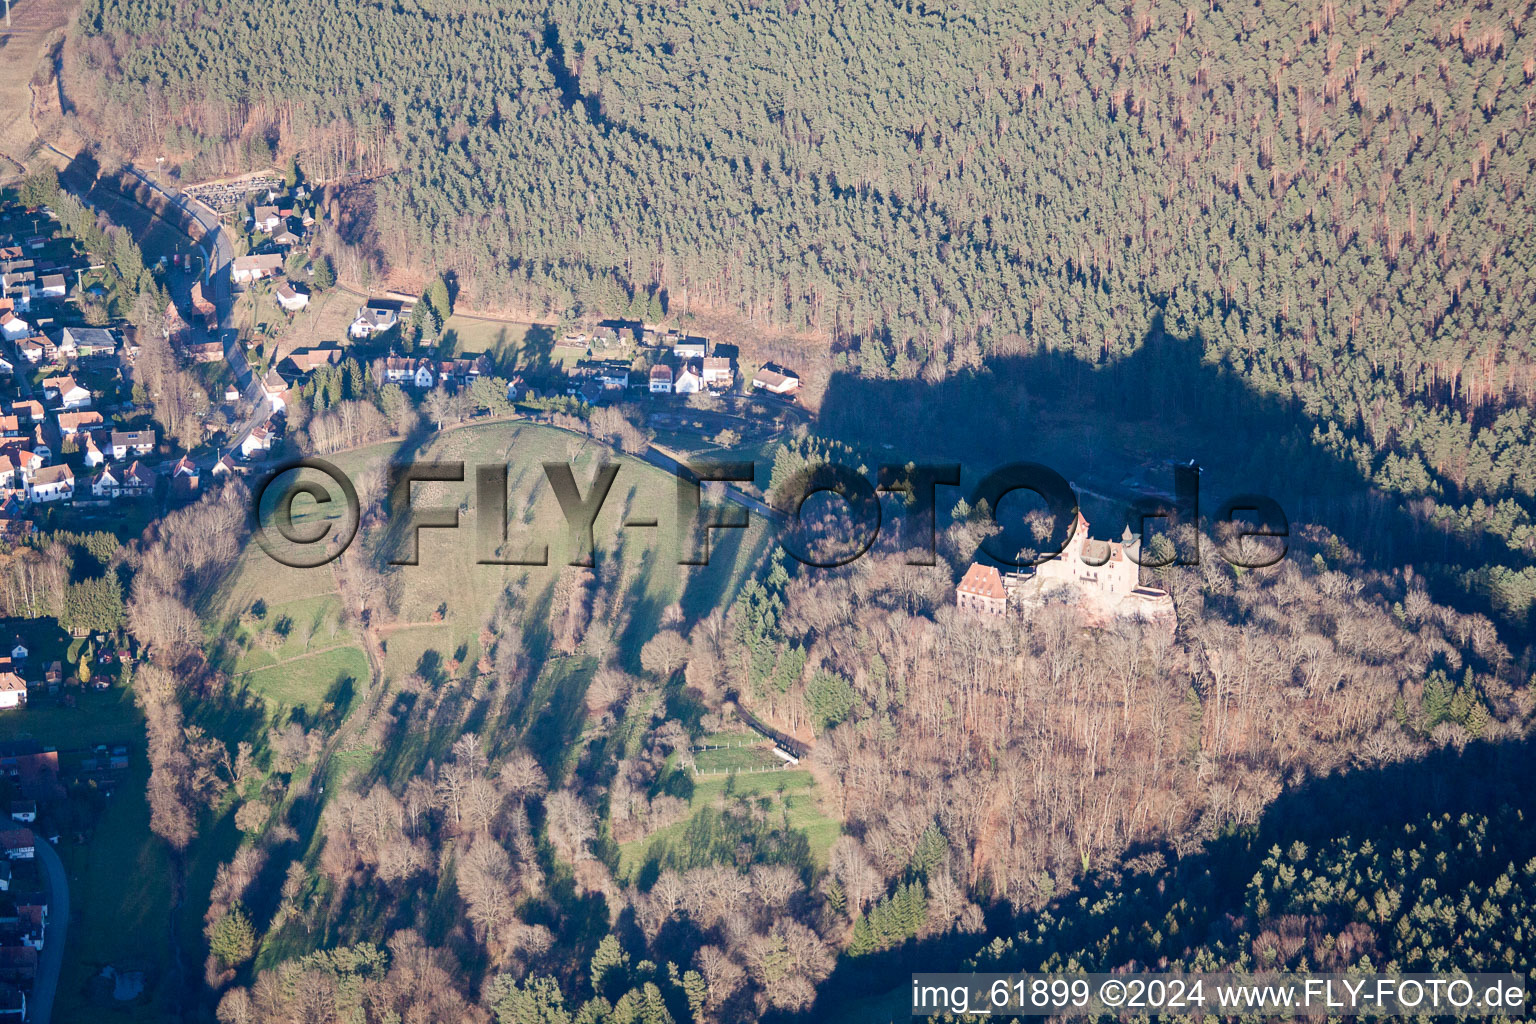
(422, 375)
(372, 319)
(13, 327)
(690, 348)
(120, 482)
(201, 307)
(13, 690)
(18, 843)
(661, 379)
(266, 219)
(7, 472)
(34, 349)
(276, 390)
(284, 237)
(132, 442)
(305, 360)
(52, 286)
(258, 440)
(69, 394)
(717, 372)
(611, 374)
(207, 351)
(74, 425)
(464, 371)
(225, 467)
(40, 444)
(28, 412)
(775, 380)
(184, 477)
(93, 454)
(25, 461)
(10, 426)
(85, 342)
(245, 269)
(399, 369)
(7, 368)
(52, 483)
(290, 298)
(688, 382)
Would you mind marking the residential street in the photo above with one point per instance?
(51, 960)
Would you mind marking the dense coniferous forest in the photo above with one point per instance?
(1328, 198)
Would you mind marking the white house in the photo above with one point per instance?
(18, 650)
(775, 380)
(53, 286)
(276, 390)
(26, 461)
(13, 692)
(93, 455)
(52, 483)
(612, 376)
(661, 380)
(13, 327)
(246, 269)
(118, 482)
(224, 467)
(31, 350)
(266, 219)
(70, 394)
(688, 382)
(289, 298)
(132, 442)
(690, 348)
(373, 320)
(258, 440)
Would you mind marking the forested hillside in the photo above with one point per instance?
(1422, 867)
(1330, 198)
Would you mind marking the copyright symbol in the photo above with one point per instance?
(1112, 993)
(304, 548)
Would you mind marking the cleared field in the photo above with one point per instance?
(754, 758)
(503, 342)
(325, 320)
(443, 603)
(790, 793)
(330, 676)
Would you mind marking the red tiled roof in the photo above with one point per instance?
(983, 581)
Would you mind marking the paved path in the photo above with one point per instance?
(51, 961)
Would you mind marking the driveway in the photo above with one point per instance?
(51, 961)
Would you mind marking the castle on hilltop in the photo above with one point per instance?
(1101, 577)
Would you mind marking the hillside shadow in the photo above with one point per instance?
(1113, 430)
(1365, 804)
